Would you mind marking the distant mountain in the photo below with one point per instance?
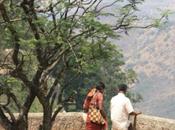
(151, 53)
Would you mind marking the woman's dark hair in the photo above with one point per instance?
(100, 86)
(122, 87)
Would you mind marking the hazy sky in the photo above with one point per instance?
(152, 5)
(164, 4)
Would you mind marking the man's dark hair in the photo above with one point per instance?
(100, 85)
(122, 87)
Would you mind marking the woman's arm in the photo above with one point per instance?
(101, 105)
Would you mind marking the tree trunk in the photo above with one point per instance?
(6, 127)
(20, 125)
(47, 123)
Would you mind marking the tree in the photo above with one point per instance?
(48, 42)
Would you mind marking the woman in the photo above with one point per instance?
(98, 100)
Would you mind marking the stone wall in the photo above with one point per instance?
(145, 122)
(64, 121)
(76, 121)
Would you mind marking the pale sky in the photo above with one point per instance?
(151, 5)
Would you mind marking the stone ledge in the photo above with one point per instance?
(145, 122)
(76, 121)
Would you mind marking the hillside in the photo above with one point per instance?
(151, 54)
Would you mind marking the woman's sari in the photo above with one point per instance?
(98, 98)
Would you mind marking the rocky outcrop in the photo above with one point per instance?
(150, 53)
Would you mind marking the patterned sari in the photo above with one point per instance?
(98, 98)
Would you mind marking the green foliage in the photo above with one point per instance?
(58, 52)
(36, 106)
(160, 22)
(135, 97)
(12, 85)
(107, 68)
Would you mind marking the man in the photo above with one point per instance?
(121, 108)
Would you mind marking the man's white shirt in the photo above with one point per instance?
(120, 108)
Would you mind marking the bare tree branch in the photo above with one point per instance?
(105, 6)
(4, 121)
(93, 3)
(56, 82)
(55, 113)
(120, 24)
(12, 21)
(13, 32)
(15, 100)
(12, 117)
(53, 16)
(28, 7)
(27, 103)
